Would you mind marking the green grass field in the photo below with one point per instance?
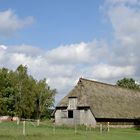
(12, 131)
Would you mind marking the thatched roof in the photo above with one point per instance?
(105, 100)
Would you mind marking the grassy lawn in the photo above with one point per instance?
(12, 131)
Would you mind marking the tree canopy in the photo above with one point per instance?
(128, 83)
(22, 95)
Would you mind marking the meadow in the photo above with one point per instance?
(46, 130)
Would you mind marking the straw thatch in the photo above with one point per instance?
(105, 100)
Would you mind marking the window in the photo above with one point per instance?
(70, 113)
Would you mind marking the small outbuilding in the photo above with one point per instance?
(91, 103)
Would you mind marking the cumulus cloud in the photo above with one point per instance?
(124, 16)
(9, 22)
(126, 31)
(105, 71)
(85, 53)
(65, 54)
(63, 73)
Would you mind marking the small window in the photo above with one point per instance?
(70, 113)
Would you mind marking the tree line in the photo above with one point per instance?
(129, 83)
(23, 96)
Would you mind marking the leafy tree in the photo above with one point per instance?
(44, 98)
(128, 83)
(22, 95)
(6, 93)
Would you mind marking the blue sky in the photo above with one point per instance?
(58, 22)
(62, 40)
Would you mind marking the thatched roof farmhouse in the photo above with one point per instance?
(92, 102)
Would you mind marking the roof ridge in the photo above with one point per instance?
(115, 86)
(97, 82)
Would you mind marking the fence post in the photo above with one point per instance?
(38, 122)
(108, 127)
(101, 128)
(90, 127)
(54, 129)
(75, 128)
(86, 128)
(24, 128)
(18, 120)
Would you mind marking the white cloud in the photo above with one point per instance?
(86, 53)
(9, 22)
(114, 2)
(2, 52)
(26, 49)
(105, 71)
(61, 73)
(68, 52)
(124, 16)
(125, 19)
(3, 47)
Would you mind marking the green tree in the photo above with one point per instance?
(22, 95)
(128, 83)
(6, 93)
(44, 98)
